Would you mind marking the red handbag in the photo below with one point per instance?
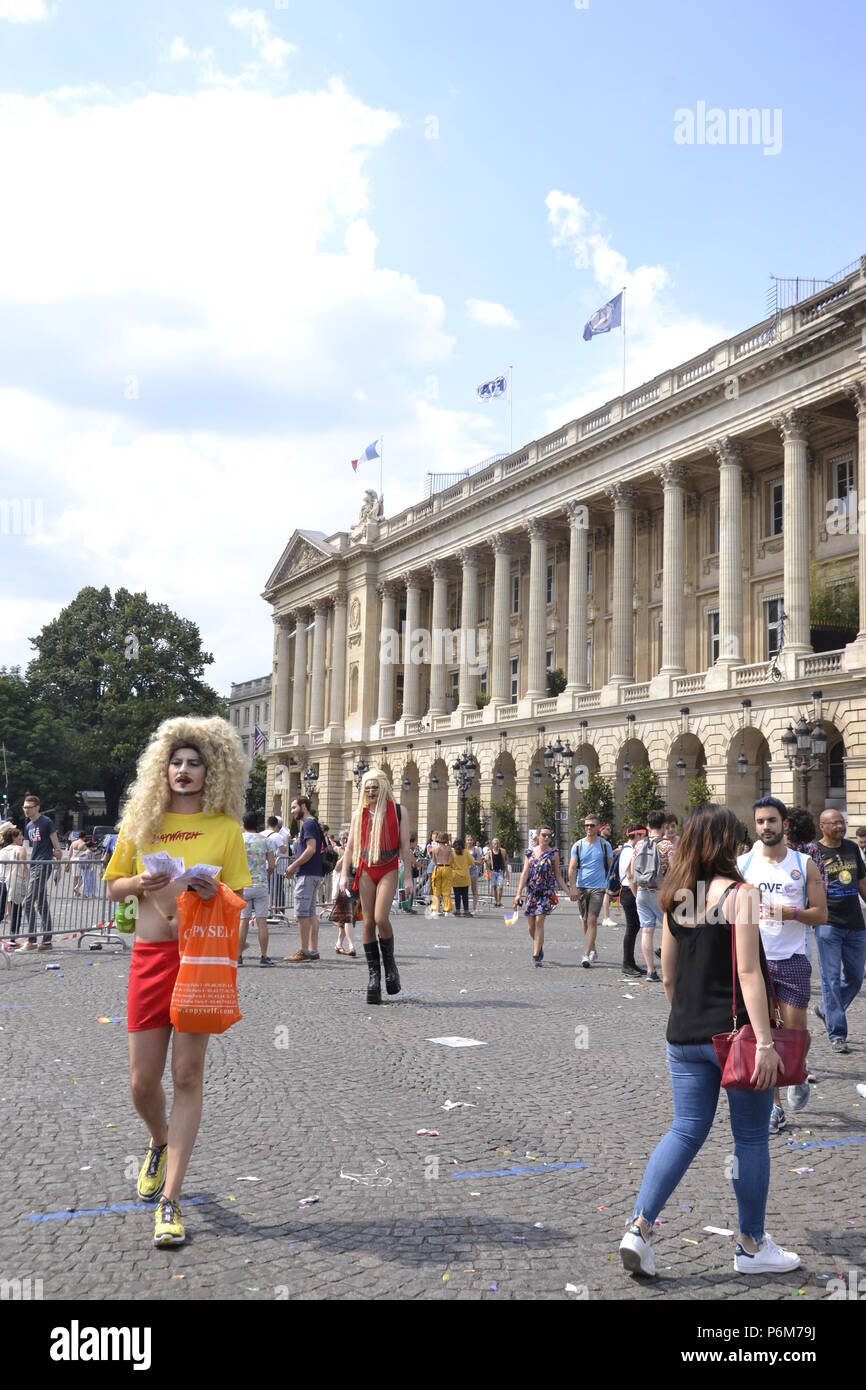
(736, 1050)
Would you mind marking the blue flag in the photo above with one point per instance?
(604, 319)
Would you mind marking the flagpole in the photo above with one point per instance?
(510, 410)
(381, 470)
(623, 339)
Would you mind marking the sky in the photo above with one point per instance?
(239, 244)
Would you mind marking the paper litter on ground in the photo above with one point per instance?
(452, 1041)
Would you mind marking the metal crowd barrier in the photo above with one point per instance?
(66, 900)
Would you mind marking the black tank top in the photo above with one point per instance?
(702, 987)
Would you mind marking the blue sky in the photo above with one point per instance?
(234, 255)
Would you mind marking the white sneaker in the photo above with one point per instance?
(586, 962)
(799, 1096)
(593, 956)
(636, 1253)
(608, 922)
(768, 1259)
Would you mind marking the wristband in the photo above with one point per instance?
(764, 1047)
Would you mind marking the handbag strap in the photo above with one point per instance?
(765, 971)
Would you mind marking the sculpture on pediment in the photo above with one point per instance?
(371, 507)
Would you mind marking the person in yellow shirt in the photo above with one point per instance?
(461, 878)
(443, 863)
(187, 799)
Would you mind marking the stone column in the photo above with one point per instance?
(411, 664)
(320, 643)
(622, 644)
(537, 676)
(793, 426)
(280, 703)
(672, 476)
(440, 637)
(469, 631)
(500, 670)
(299, 685)
(729, 453)
(388, 594)
(578, 521)
(855, 653)
(337, 704)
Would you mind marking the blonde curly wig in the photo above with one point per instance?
(149, 796)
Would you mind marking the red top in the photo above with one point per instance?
(390, 840)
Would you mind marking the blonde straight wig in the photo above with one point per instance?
(386, 794)
(149, 796)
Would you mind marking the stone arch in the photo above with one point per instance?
(632, 751)
(690, 749)
(741, 790)
(437, 797)
(408, 796)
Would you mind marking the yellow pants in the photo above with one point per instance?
(441, 888)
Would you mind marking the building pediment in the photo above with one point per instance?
(305, 550)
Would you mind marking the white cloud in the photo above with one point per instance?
(489, 313)
(230, 266)
(660, 335)
(273, 51)
(23, 11)
(179, 50)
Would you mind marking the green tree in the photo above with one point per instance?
(114, 668)
(643, 794)
(834, 599)
(506, 829)
(556, 681)
(474, 817)
(41, 751)
(596, 799)
(482, 699)
(700, 793)
(256, 789)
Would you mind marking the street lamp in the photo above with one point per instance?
(311, 777)
(464, 768)
(742, 760)
(407, 780)
(500, 776)
(558, 758)
(681, 762)
(359, 771)
(805, 749)
(434, 780)
(626, 767)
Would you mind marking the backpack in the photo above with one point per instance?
(614, 882)
(329, 855)
(646, 866)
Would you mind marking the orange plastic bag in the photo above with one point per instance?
(205, 995)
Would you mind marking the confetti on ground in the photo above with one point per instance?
(801, 1171)
(457, 1104)
(494, 1288)
(111, 1126)
(602, 1208)
(628, 996)
(307, 1202)
(445, 1277)
(177, 1276)
(686, 1241)
(452, 1041)
(427, 1133)
(539, 1225)
(474, 1194)
(250, 1179)
(685, 1206)
(717, 1231)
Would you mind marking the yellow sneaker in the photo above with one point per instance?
(168, 1227)
(151, 1179)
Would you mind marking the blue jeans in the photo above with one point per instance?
(840, 948)
(696, 1078)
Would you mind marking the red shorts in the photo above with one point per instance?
(376, 871)
(151, 981)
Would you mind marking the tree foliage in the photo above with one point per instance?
(643, 794)
(257, 789)
(700, 793)
(42, 755)
(113, 667)
(596, 799)
(505, 827)
(556, 682)
(474, 817)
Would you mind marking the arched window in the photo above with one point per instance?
(836, 769)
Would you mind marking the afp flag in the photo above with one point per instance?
(604, 319)
(493, 390)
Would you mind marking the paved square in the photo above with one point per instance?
(525, 1190)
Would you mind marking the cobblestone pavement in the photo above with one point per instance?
(314, 1086)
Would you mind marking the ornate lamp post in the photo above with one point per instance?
(558, 758)
(311, 778)
(464, 769)
(626, 767)
(805, 749)
(359, 772)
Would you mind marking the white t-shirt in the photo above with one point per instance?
(277, 841)
(626, 855)
(782, 883)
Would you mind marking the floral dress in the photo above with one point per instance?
(541, 884)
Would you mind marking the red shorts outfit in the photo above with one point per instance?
(390, 838)
(151, 981)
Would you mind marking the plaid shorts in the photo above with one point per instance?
(792, 980)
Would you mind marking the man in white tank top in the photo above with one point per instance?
(792, 902)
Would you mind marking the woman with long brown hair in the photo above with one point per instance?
(704, 898)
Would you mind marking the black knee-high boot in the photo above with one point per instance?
(374, 984)
(392, 979)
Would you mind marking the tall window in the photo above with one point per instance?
(773, 625)
(548, 660)
(482, 680)
(515, 592)
(515, 679)
(589, 570)
(267, 711)
(715, 526)
(777, 507)
(246, 716)
(454, 677)
(551, 578)
(483, 601)
(399, 693)
(256, 712)
(712, 636)
(236, 717)
(454, 608)
(589, 663)
(843, 485)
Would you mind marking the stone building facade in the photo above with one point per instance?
(649, 551)
(250, 705)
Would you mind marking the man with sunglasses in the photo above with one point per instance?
(588, 869)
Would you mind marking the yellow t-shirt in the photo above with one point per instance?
(461, 869)
(197, 839)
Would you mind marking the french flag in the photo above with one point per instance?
(372, 451)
